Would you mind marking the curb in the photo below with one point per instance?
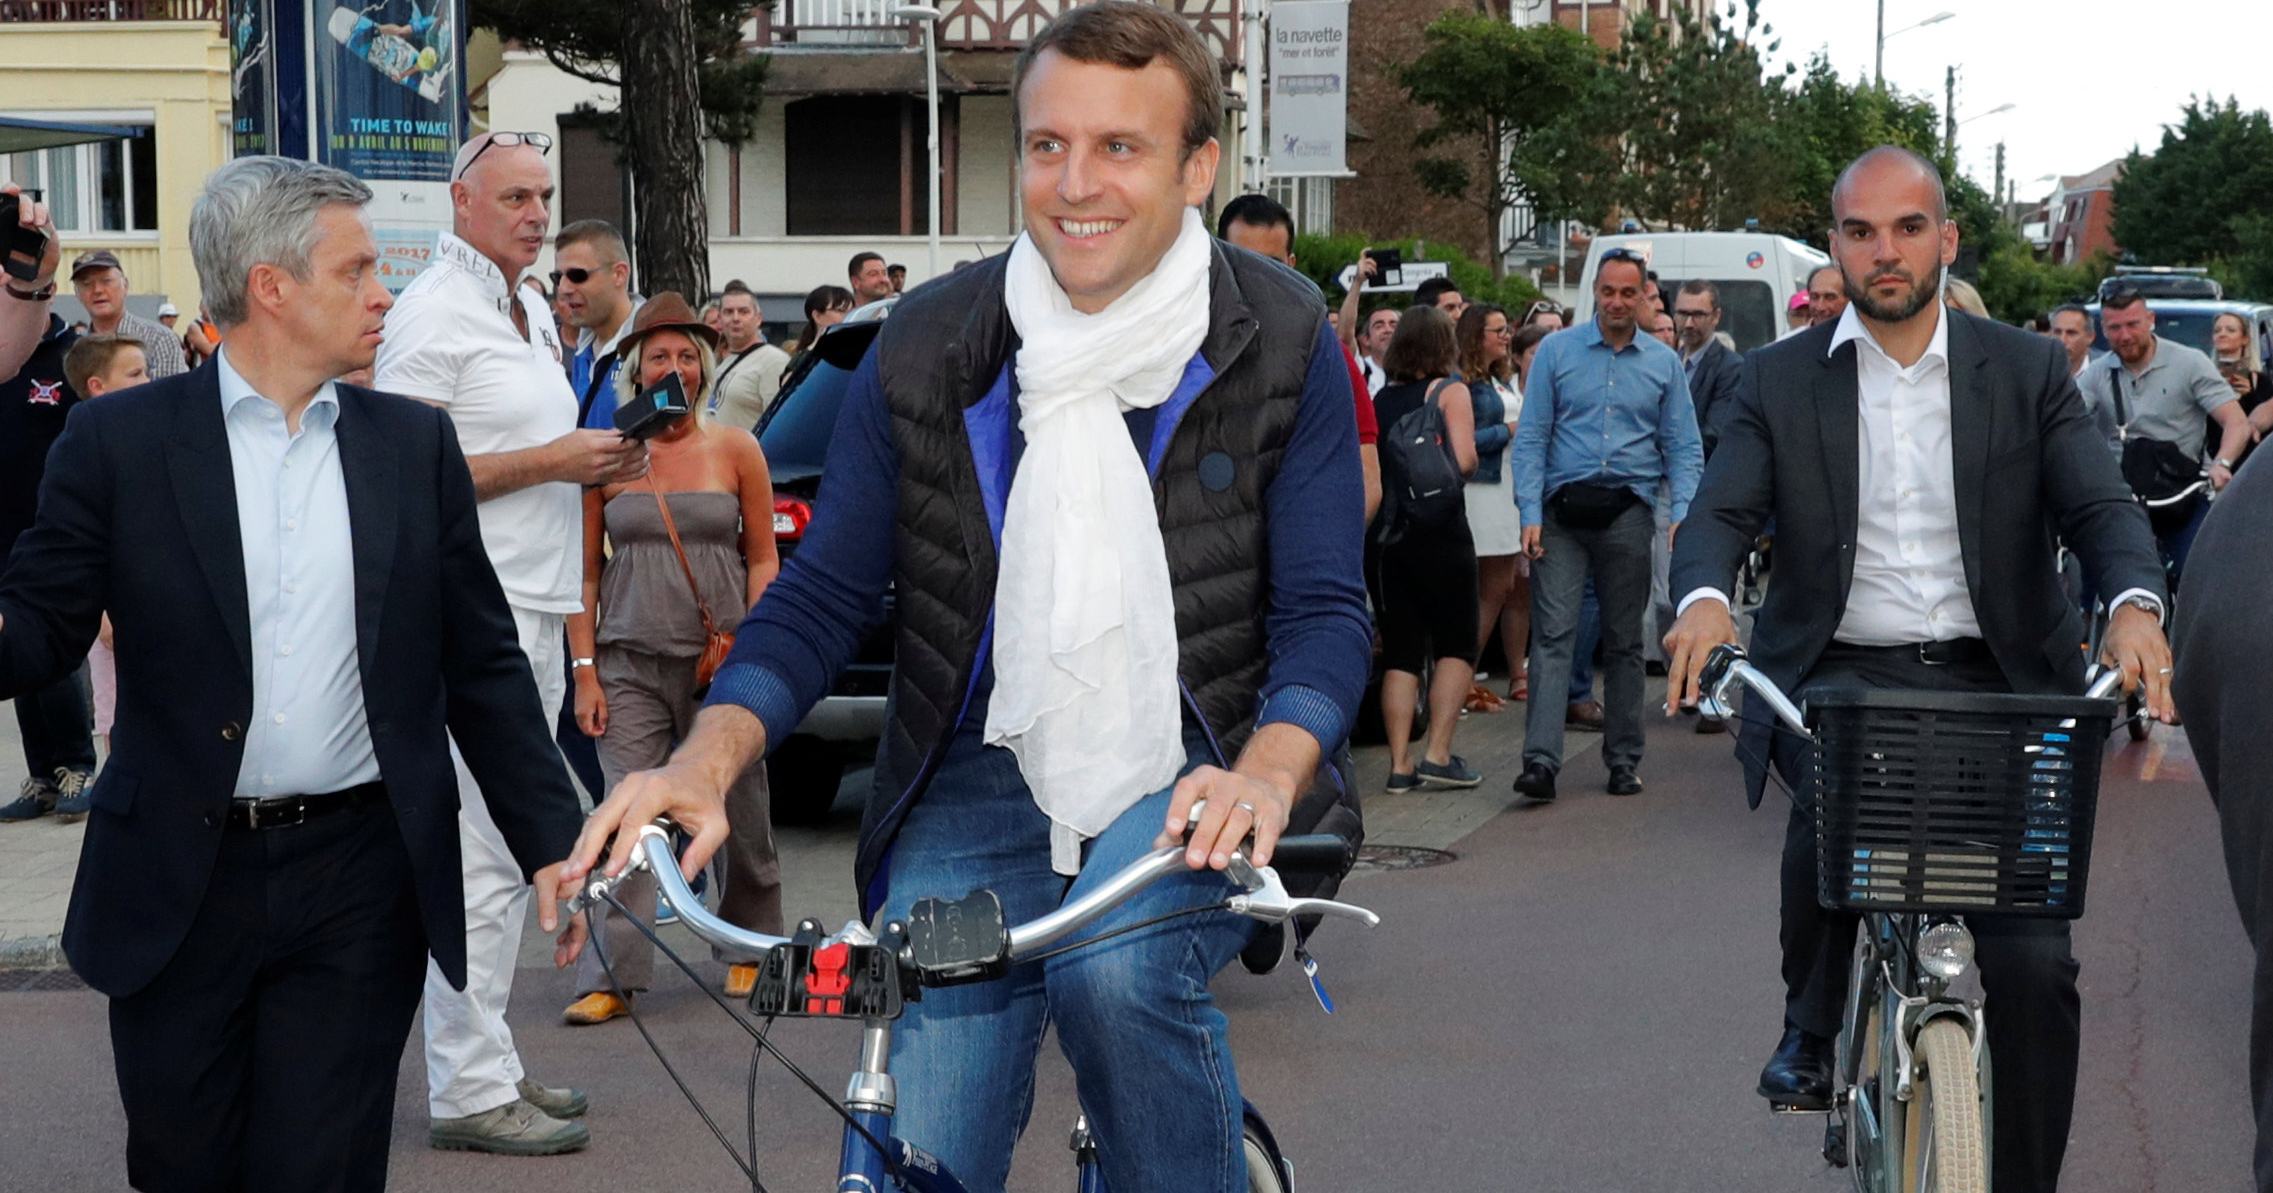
(32, 952)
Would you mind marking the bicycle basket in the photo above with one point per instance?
(1956, 801)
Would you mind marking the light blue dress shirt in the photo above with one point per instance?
(308, 734)
(1609, 417)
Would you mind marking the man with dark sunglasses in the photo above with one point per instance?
(592, 271)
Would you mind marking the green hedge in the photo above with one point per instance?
(1324, 258)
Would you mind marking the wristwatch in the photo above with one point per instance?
(2224, 463)
(40, 295)
(573, 664)
(2153, 607)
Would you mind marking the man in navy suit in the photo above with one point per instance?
(303, 610)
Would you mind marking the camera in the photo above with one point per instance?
(654, 410)
(1387, 265)
(21, 248)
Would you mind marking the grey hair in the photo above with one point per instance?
(260, 211)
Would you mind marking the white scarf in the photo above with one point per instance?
(1085, 689)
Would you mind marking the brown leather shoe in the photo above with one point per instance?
(740, 980)
(1586, 714)
(596, 1007)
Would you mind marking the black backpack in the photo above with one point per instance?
(1420, 478)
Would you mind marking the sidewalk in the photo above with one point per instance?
(37, 860)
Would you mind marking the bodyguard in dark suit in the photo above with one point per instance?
(1919, 464)
(2225, 683)
(1713, 367)
(302, 607)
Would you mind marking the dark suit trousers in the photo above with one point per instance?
(57, 728)
(264, 1055)
(2028, 973)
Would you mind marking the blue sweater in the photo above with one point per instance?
(812, 618)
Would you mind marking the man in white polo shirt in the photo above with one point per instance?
(467, 337)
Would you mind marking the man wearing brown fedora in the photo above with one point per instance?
(468, 337)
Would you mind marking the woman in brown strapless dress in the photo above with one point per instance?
(642, 628)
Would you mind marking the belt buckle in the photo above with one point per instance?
(1925, 655)
(297, 809)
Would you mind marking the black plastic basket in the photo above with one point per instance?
(1957, 802)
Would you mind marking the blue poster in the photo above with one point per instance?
(252, 77)
(391, 110)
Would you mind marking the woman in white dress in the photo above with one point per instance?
(1503, 584)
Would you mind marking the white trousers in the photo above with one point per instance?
(471, 1065)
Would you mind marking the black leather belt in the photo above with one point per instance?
(1934, 654)
(285, 811)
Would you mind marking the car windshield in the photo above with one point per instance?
(2191, 328)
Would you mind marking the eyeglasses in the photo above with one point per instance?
(537, 141)
(578, 276)
(1681, 314)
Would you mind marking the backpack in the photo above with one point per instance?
(1418, 472)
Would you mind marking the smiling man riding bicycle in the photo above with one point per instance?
(1919, 464)
(1112, 478)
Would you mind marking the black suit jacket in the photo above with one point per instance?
(138, 517)
(1713, 389)
(2030, 468)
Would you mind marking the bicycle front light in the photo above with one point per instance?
(1945, 950)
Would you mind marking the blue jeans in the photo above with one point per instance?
(1150, 1051)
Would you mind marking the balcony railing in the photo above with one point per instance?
(964, 25)
(60, 11)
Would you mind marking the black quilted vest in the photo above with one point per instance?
(940, 354)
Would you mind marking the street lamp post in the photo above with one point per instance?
(930, 18)
(1878, 72)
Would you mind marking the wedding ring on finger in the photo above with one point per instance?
(1246, 807)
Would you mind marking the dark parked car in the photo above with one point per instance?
(843, 728)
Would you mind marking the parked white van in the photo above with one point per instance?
(1757, 273)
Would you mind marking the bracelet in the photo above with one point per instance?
(2222, 462)
(40, 295)
(573, 664)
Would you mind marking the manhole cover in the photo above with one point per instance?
(38, 981)
(1401, 857)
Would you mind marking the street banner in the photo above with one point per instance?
(391, 110)
(252, 77)
(1310, 72)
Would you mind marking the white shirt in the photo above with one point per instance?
(1371, 370)
(747, 384)
(1909, 578)
(450, 340)
(309, 734)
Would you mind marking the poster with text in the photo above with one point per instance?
(252, 77)
(1310, 72)
(391, 111)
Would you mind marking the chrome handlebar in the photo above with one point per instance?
(1727, 667)
(1262, 897)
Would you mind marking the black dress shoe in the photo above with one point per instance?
(1536, 782)
(1623, 781)
(1798, 1076)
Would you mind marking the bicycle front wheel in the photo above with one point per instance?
(1944, 1150)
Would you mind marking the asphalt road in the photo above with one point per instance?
(1580, 1002)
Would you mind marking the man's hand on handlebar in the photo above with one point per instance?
(689, 789)
(1704, 625)
(2135, 646)
(1230, 805)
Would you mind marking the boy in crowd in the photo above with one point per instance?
(102, 364)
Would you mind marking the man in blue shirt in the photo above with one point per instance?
(1607, 421)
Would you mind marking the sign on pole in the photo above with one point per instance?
(372, 88)
(1310, 72)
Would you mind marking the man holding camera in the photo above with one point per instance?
(468, 337)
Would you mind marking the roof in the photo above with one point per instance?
(2093, 180)
(18, 135)
(883, 72)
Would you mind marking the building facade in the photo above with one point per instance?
(2079, 216)
(158, 65)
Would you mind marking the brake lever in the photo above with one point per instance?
(602, 884)
(1266, 899)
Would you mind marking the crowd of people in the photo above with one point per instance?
(333, 633)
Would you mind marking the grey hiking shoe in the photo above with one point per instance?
(37, 799)
(1455, 773)
(72, 795)
(514, 1129)
(559, 1103)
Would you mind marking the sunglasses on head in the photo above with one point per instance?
(538, 141)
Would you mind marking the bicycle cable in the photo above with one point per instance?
(599, 951)
(891, 1162)
(1123, 930)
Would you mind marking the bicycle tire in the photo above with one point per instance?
(1263, 1174)
(1944, 1148)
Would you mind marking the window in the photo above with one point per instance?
(1309, 200)
(855, 165)
(110, 186)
